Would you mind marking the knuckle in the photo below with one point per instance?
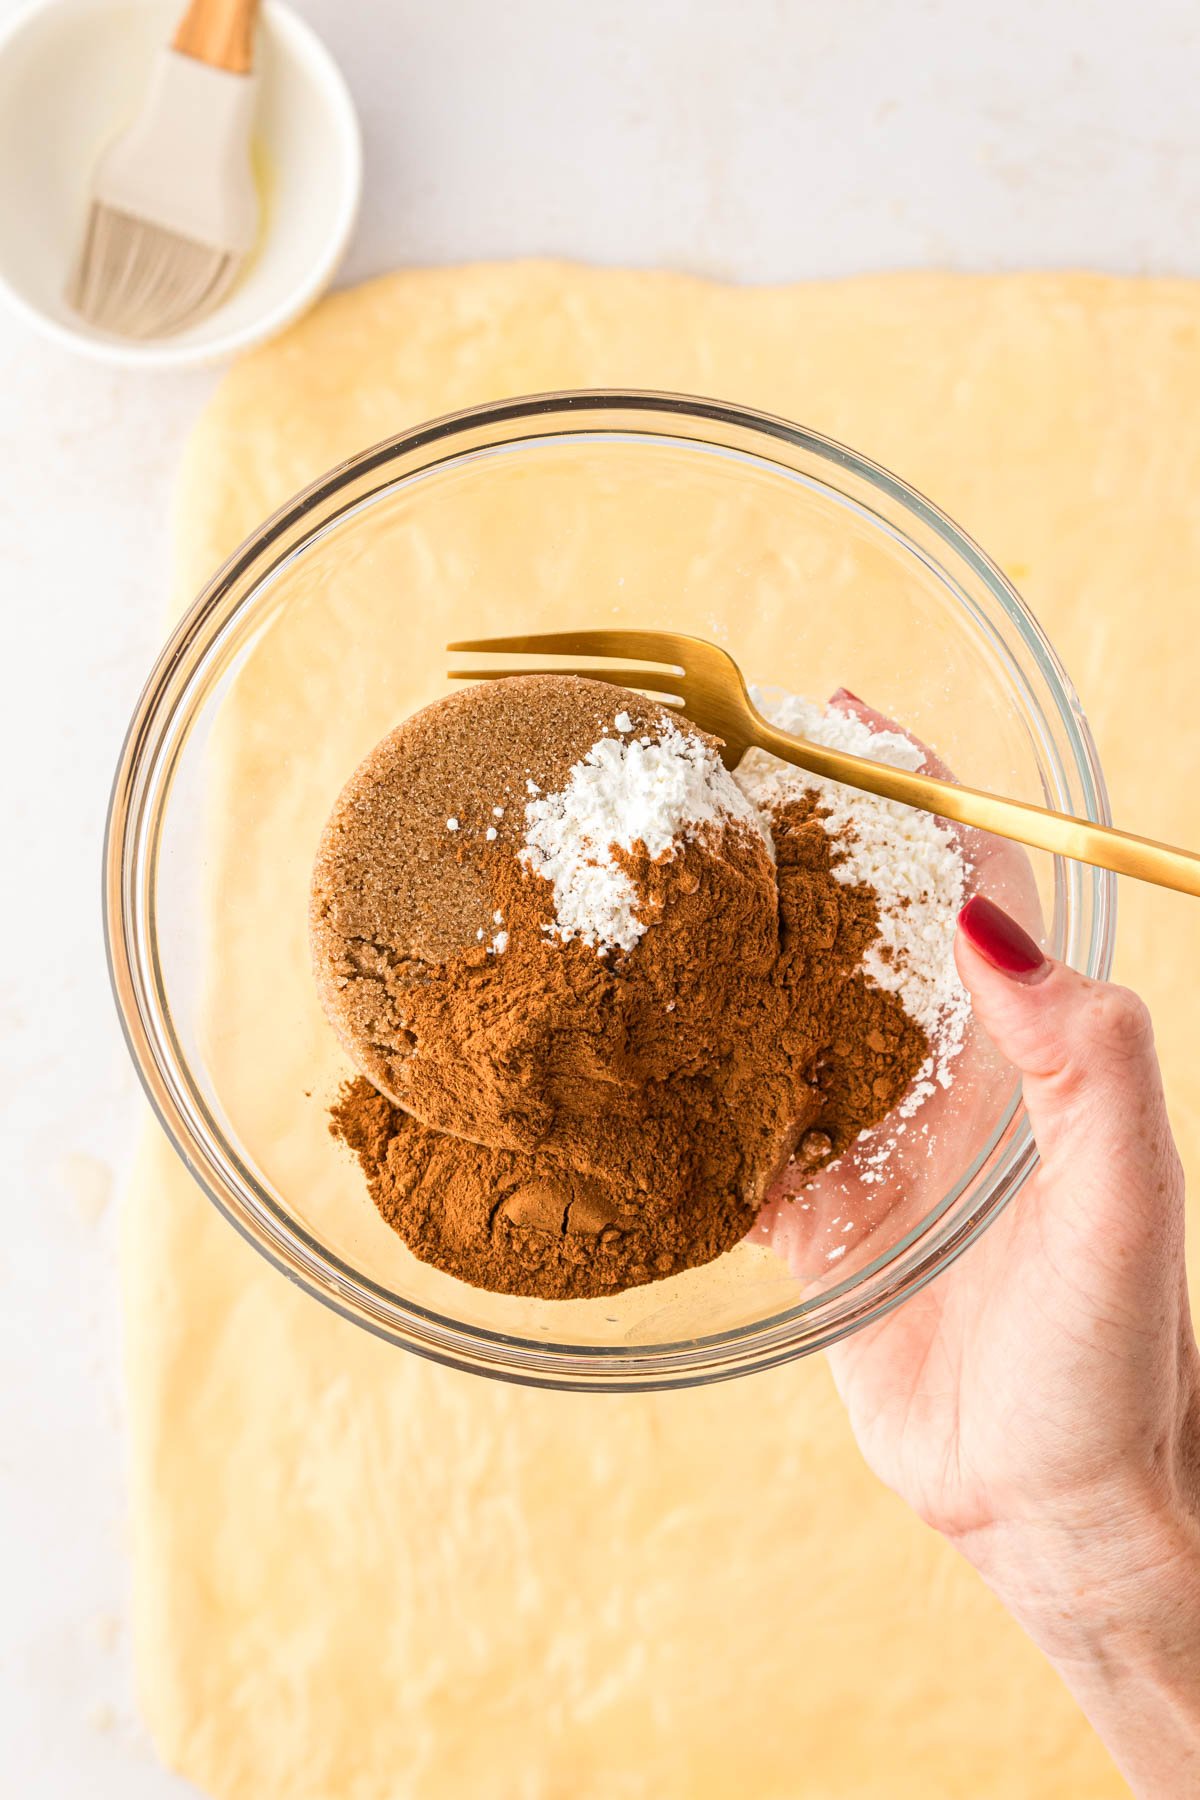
(1110, 1032)
(1118, 1022)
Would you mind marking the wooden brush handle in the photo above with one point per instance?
(219, 32)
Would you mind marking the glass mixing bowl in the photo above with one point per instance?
(816, 568)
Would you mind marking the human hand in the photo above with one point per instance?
(1052, 1374)
(1039, 1402)
(936, 1389)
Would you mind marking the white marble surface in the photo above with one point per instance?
(766, 140)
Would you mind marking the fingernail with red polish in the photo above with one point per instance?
(844, 693)
(999, 939)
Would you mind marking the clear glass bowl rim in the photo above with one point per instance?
(142, 784)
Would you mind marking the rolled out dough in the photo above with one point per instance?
(360, 1577)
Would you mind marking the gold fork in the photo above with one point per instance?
(706, 684)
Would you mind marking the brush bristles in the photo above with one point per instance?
(138, 280)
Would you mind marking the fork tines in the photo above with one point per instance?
(664, 682)
(659, 646)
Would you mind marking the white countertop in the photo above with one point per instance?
(757, 141)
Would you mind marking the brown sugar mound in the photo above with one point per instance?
(433, 948)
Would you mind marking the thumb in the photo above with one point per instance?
(1085, 1052)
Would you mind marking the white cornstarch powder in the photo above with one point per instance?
(913, 862)
(652, 792)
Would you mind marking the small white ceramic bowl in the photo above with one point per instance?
(72, 73)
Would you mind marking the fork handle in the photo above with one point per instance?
(220, 33)
(1060, 833)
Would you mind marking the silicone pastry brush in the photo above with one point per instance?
(174, 210)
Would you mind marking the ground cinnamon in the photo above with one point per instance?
(635, 1125)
